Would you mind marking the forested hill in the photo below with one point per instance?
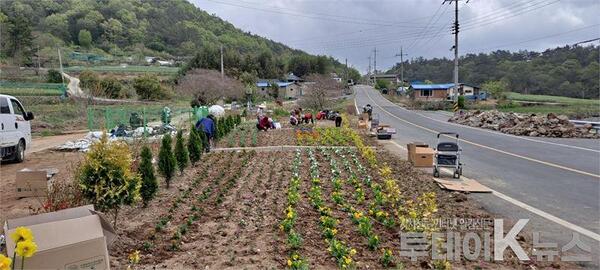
(138, 28)
(565, 71)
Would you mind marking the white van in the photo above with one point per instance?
(15, 129)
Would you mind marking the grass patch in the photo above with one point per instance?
(30, 92)
(554, 99)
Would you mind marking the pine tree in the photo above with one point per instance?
(181, 153)
(166, 160)
(146, 171)
(203, 139)
(194, 146)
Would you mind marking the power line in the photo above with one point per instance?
(317, 16)
(429, 22)
(586, 41)
(366, 43)
(543, 37)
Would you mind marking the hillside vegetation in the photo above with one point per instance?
(570, 71)
(127, 30)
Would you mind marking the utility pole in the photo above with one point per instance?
(455, 30)
(346, 71)
(61, 67)
(369, 71)
(375, 67)
(222, 68)
(38, 60)
(401, 65)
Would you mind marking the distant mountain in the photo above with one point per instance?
(126, 29)
(570, 71)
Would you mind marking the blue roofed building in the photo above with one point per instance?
(438, 91)
(287, 90)
(442, 91)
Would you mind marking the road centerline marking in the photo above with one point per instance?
(527, 207)
(488, 147)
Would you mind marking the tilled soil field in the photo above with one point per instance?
(228, 212)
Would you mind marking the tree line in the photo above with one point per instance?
(570, 71)
(125, 28)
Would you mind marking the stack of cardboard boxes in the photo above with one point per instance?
(420, 155)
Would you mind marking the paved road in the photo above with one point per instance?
(558, 177)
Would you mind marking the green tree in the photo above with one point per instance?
(181, 153)
(194, 146)
(382, 84)
(274, 90)
(85, 38)
(148, 87)
(496, 88)
(167, 164)
(146, 172)
(105, 176)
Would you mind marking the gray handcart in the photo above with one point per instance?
(447, 155)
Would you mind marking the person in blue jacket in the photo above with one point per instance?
(207, 124)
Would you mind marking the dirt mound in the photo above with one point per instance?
(549, 125)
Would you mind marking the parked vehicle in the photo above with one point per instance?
(15, 129)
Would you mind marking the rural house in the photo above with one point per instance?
(430, 91)
(467, 90)
(392, 78)
(287, 90)
(442, 91)
(293, 78)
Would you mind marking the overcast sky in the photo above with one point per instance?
(353, 28)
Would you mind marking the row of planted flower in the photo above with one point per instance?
(365, 224)
(389, 198)
(294, 239)
(341, 251)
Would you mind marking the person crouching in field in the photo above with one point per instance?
(308, 117)
(293, 119)
(207, 124)
(264, 123)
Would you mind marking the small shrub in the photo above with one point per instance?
(105, 176)
(461, 102)
(181, 153)
(54, 76)
(148, 88)
(111, 87)
(166, 159)
(146, 171)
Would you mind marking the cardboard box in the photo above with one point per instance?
(362, 124)
(74, 238)
(29, 183)
(423, 157)
(411, 149)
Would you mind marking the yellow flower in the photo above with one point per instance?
(5, 262)
(22, 234)
(357, 215)
(352, 252)
(334, 231)
(26, 248)
(289, 262)
(295, 257)
(134, 257)
(347, 260)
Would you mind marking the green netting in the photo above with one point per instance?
(102, 118)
